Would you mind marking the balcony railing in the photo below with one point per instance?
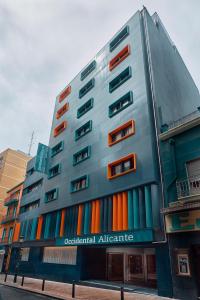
(10, 200)
(7, 219)
(188, 187)
(195, 114)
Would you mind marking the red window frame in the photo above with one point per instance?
(62, 111)
(131, 156)
(65, 93)
(120, 128)
(60, 128)
(119, 57)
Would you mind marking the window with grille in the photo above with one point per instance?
(60, 255)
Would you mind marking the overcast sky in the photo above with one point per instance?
(45, 43)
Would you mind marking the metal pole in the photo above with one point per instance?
(15, 278)
(122, 293)
(43, 283)
(6, 274)
(22, 283)
(73, 289)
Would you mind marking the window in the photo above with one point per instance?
(119, 38)
(65, 93)
(30, 172)
(120, 104)
(120, 79)
(121, 133)
(30, 206)
(25, 254)
(122, 166)
(119, 57)
(33, 187)
(54, 171)
(62, 111)
(4, 234)
(81, 155)
(86, 88)
(60, 255)
(79, 184)
(83, 130)
(57, 148)
(88, 70)
(60, 128)
(85, 108)
(51, 195)
(10, 235)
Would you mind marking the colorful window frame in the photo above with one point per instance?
(122, 55)
(121, 133)
(80, 184)
(120, 163)
(120, 79)
(119, 38)
(83, 130)
(81, 155)
(62, 111)
(65, 93)
(51, 195)
(57, 148)
(60, 128)
(120, 104)
(85, 108)
(86, 88)
(88, 70)
(54, 171)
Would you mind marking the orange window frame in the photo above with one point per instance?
(62, 111)
(124, 53)
(65, 93)
(60, 128)
(120, 128)
(131, 156)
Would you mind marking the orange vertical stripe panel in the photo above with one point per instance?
(16, 232)
(97, 217)
(115, 212)
(93, 216)
(80, 215)
(119, 212)
(62, 223)
(39, 227)
(125, 210)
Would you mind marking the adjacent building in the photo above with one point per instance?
(92, 198)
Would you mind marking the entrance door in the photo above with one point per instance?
(136, 268)
(115, 267)
(197, 266)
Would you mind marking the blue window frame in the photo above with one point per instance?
(86, 88)
(83, 130)
(57, 148)
(88, 70)
(120, 79)
(80, 184)
(54, 171)
(85, 108)
(51, 195)
(119, 38)
(120, 104)
(81, 155)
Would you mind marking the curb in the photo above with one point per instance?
(36, 292)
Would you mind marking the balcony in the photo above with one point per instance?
(189, 187)
(7, 219)
(9, 201)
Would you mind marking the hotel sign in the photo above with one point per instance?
(183, 221)
(104, 239)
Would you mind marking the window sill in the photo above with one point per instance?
(121, 174)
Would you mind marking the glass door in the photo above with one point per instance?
(136, 267)
(115, 266)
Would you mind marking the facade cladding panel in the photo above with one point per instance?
(101, 153)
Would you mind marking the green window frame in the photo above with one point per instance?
(120, 104)
(120, 79)
(88, 70)
(86, 88)
(81, 155)
(85, 108)
(79, 184)
(57, 148)
(83, 130)
(119, 38)
(54, 171)
(51, 195)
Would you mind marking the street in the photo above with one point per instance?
(8, 293)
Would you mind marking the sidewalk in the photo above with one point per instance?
(64, 290)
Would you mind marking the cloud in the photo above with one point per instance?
(45, 43)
